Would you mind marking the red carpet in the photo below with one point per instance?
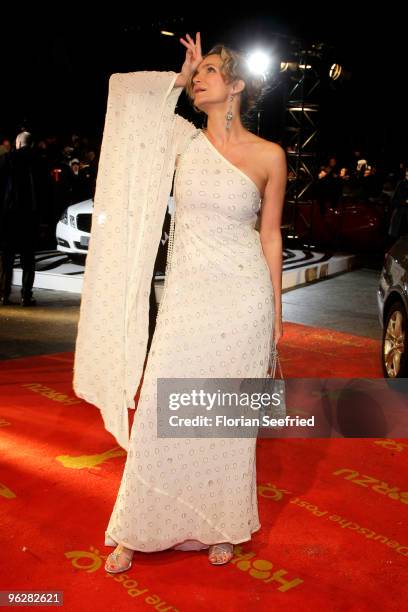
(333, 512)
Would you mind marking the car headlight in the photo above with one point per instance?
(72, 221)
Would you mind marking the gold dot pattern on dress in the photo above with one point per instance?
(215, 320)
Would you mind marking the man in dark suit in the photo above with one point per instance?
(19, 217)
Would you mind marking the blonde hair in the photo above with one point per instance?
(23, 139)
(233, 68)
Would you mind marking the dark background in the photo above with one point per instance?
(55, 67)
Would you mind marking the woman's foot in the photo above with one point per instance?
(219, 554)
(119, 560)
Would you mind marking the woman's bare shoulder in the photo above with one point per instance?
(268, 147)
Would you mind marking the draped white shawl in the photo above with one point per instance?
(142, 137)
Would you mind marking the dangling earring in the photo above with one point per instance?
(229, 114)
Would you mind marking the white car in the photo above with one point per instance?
(74, 229)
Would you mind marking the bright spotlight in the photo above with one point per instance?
(258, 63)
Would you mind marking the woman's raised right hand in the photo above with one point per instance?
(193, 58)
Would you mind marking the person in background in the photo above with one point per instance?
(19, 217)
(5, 146)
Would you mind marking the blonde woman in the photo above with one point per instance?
(220, 314)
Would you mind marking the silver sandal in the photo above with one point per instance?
(114, 557)
(225, 549)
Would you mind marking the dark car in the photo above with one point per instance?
(392, 297)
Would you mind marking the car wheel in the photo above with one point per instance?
(394, 343)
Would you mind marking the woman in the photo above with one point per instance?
(220, 313)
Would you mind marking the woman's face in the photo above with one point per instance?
(209, 86)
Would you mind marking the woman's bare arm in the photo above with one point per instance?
(270, 226)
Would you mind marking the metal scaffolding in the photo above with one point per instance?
(301, 134)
